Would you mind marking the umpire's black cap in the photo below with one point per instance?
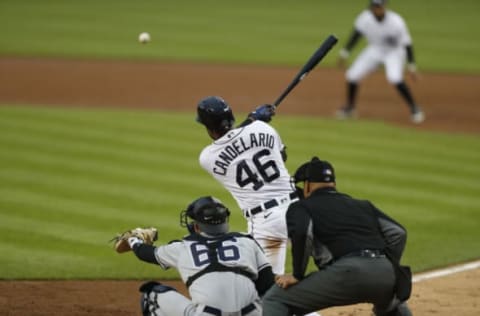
(315, 170)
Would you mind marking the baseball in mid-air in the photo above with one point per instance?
(144, 37)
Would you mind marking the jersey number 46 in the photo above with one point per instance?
(259, 173)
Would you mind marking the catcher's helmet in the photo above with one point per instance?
(209, 213)
(215, 114)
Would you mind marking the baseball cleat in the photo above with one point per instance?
(417, 116)
(345, 113)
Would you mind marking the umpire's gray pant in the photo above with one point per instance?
(347, 281)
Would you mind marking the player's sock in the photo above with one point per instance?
(405, 93)
(352, 88)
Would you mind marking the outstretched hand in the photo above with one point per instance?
(412, 72)
(342, 58)
(263, 113)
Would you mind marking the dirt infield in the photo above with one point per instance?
(457, 294)
(451, 103)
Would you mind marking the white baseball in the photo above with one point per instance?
(144, 38)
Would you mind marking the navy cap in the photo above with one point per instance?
(315, 170)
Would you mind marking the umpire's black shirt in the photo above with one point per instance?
(335, 220)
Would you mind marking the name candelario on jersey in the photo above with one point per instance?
(239, 146)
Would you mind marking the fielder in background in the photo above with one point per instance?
(225, 272)
(356, 247)
(390, 44)
(249, 162)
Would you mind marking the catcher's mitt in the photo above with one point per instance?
(147, 235)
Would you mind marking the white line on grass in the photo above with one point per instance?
(443, 272)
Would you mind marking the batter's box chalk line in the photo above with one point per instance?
(447, 271)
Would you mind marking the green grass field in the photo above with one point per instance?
(72, 178)
(265, 32)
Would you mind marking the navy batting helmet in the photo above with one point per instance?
(378, 2)
(208, 213)
(215, 114)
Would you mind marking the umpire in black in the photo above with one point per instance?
(356, 247)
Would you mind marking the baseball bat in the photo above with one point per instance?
(311, 63)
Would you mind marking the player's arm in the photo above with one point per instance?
(265, 277)
(352, 42)
(394, 234)
(164, 256)
(410, 58)
(265, 280)
(263, 113)
(283, 152)
(299, 225)
(406, 40)
(143, 251)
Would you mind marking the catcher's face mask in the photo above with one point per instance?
(209, 213)
(185, 221)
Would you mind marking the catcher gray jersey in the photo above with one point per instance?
(228, 289)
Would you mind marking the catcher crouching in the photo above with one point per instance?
(225, 272)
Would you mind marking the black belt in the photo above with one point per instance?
(215, 311)
(366, 253)
(267, 205)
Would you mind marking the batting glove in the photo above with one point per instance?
(263, 113)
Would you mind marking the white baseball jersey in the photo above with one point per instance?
(390, 33)
(227, 290)
(247, 161)
(387, 40)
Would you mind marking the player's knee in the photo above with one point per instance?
(394, 80)
(353, 76)
(270, 295)
(149, 302)
(350, 77)
(153, 286)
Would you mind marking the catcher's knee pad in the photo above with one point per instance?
(148, 300)
(153, 286)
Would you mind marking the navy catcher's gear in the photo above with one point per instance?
(209, 213)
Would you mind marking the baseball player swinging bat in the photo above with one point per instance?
(311, 63)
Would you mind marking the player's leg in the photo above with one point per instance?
(161, 300)
(365, 63)
(352, 88)
(394, 69)
(416, 112)
(276, 252)
(271, 235)
(348, 281)
(269, 229)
